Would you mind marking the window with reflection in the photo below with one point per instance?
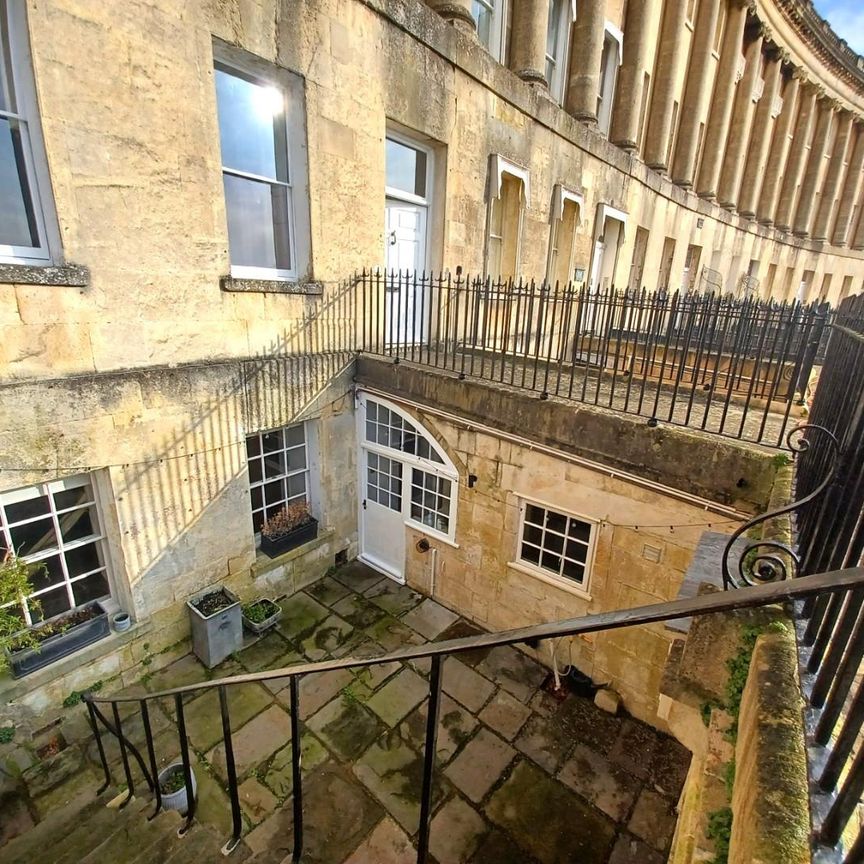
(556, 543)
(55, 526)
(557, 43)
(278, 463)
(489, 18)
(26, 210)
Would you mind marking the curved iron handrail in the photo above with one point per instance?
(766, 560)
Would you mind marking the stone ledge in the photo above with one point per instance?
(14, 688)
(270, 286)
(264, 564)
(66, 275)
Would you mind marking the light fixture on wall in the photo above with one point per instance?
(700, 222)
(579, 274)
(472, 480)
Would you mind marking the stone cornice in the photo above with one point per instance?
(825, 43)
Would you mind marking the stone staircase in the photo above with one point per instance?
(93, 830)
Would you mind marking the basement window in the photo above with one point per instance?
(556, 543)
(56, 525)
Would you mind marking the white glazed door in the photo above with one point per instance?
(406, 255)
(383, 529)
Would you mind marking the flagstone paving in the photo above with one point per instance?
(521, 776)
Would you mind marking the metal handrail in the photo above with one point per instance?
(761, 595)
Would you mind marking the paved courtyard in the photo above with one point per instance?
(522, 776)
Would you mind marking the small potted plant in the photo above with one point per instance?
(172, 788)
(260, 615)
(290, 527)
(26, 650)
(217, 629)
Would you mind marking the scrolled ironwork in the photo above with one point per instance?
(766, 560)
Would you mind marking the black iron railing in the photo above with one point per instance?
(831, 534)
(731, 366)
(819, 586)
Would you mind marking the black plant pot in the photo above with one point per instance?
(55, 647)
(273, 547)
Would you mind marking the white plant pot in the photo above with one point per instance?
(178, 800)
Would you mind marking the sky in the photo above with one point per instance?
(846, 17)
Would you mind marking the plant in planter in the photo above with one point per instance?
(217, 629)
(260, 615)
(172, 788)
(290, 527)
(35, 647)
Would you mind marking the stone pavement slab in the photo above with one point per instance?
(374, 676)
(653, 819)
(670, 766)
(635, 747)
(279, 774)
(328, 591)
(480, 764)
(398, 697)
(629, 850)
(548, 821)
(387, 844)
(259, 739)
(346, 727)
(300, 615)
(204, 720)
(517, 673)
(256, 801)
(455, 725)
(268, 652)
(357, 576)
(498, 848)
(544, 741)
(186, 670)
(429, 619)
(326, 636)
(459, 630)
(358, 611)
(456, 832)
(588, 724)
(608, 787)
(392, 634)
(316, 690)
(505, 714)
(393, 772)
(393, 597)
(465, 685)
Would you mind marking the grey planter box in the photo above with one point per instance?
(259, 627)
(219, 635)
(55, 647)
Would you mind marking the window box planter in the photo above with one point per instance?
(273, 547)
(253, 612)
(55, 647)
(171, 777)
(217, 630)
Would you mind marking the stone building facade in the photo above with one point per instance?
(191, 190)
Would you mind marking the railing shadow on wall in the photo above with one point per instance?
(731, 366)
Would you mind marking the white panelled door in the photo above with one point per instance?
(383, 529)
(406, 255)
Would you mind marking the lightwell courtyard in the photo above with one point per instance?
(524, 776)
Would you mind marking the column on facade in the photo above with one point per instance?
(695, 93)
(528, 40)
(858, 236)
(746, 98)
(723, 99)
(807, 94)
(778, 153)
(670, 51)
(767, 111)
(585, 54)
(813, 170)
(626, 111)
(457, 12)
(833, 175)
(851, 189)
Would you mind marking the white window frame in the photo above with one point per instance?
(609, 76)
(291, 85)
(498, 167)
(560, 194)
(309, 446)
(444, 469)
(498, 29)
(560, 59)
(581, 589)
(49, 489)
(35, 161)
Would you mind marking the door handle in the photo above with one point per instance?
(392, 238)
(364, 503)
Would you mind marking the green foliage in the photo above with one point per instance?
(7, 733)
(75, 697)
(705, 710)
(259, 610)
(729, 777)
(14, 586)
(720, 831)
(780, 460)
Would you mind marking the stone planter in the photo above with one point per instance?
(55, 647)
(259, 627)
(178, 800)
(218, 635)
(273, 547)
